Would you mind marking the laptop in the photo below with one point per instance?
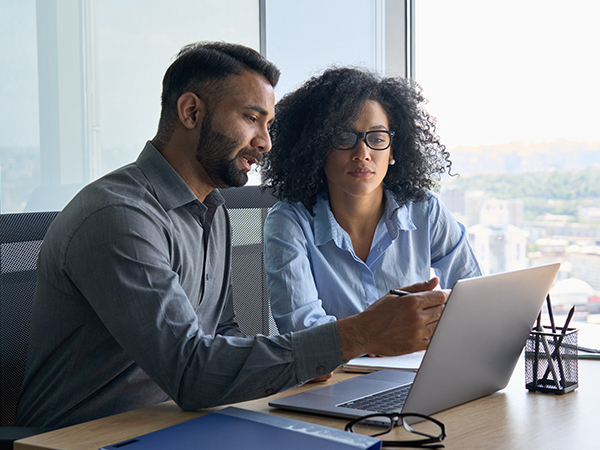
(473, 352)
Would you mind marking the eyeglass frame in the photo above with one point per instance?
(363, 135)
(395, 420)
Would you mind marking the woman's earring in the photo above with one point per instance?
(392, 162)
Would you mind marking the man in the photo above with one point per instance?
(134, 302)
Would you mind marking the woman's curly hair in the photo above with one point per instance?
(306, 120)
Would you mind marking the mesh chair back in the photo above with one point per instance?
(248, 207)
(21, 236)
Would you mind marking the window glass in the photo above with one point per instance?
(321, 34)
(19, 112)
(83, 77)
(134, 54)
(82, 81)
(514, 86)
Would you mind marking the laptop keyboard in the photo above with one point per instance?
(388, 401)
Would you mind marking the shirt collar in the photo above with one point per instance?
(397, 217)
(326, 227)
(171, 191)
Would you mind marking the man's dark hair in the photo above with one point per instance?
(201, 68)
(306, 119)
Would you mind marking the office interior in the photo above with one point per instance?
(512, 83)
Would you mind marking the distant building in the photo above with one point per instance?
(570, 292)
(498, 245)
(551, 226)
(553, 247)
(474, 201)
(516, 212)
(585, 264)
(589, 214)
(454, 200)
(471, 203)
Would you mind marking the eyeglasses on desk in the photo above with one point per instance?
(432, 431)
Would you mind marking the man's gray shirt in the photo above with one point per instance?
(134, 306)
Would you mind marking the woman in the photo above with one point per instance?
(354, 158)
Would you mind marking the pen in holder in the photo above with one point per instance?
(551, 360)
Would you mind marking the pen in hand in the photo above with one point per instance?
(399, 293)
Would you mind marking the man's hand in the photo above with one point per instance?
(394, 325)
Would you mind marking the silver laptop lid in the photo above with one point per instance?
(472, 353)
(479, 337)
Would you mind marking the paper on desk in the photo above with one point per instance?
(589, 336)
(412, 361)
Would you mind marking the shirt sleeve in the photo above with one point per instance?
(122, 263)
(293, 294)
(452, 257)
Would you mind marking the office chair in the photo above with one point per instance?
(21, 236)
(248, 207)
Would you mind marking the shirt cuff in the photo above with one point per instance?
(316, 351)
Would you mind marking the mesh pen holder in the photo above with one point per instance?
(551, 361)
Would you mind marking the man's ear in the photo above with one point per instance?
(191, 110)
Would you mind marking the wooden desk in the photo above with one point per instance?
(509, 419)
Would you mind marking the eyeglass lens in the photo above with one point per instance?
(377, 140)
(373, 426)
(419, 425)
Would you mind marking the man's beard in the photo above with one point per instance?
(213, 152)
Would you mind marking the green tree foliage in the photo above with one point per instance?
(554, 192)
(556, 185)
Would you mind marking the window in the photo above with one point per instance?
(514, 86)
(83, 82)
(83, 77)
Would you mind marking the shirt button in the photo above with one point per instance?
(270, 391)
(195, 207)
(321, 370)
(207, 277)
(378, 249)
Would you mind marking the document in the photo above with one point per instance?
(366, 364)
(589, 339)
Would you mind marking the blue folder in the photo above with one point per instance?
(239, 428)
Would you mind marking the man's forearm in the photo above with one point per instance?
(351, 338)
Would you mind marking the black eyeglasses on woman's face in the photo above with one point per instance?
(376, 139)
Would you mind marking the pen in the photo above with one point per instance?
(536, 357)
(560, 341)
(551, 368)
(569, 317)
(399, 293)
(587, 350)
(550, 313)
(557, 345)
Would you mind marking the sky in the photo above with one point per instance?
(133, 53)
(498, 71)
(494, 71)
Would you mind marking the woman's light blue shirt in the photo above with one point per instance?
(314, 275)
